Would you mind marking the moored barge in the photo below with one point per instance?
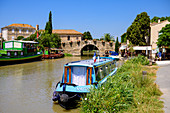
(79, 76)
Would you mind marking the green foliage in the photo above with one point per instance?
(123, 38)
(49, 40)
(155, 19)
(87, 35)
(67, 54)
(32, 37)
(20, 37)
(108, 37)
(131, 48)
(126, 91)
(164, 37)
(140, 59)
(48, 27)
(117, 46)
(139, 29)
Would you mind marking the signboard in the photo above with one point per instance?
(9, 45)
(17, 45)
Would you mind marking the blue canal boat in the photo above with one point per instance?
(79, 76)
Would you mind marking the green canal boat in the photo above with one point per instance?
(19, 52)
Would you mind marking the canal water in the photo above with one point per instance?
(28, 87)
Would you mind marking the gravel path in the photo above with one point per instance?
(163, 80)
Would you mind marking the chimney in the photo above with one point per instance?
(37, 27)
(159, 20)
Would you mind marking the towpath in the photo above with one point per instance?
(163, 80)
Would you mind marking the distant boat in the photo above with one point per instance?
(53, 53)
(114, 54)
(79, 76)
(19, 51)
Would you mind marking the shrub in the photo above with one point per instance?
(126, 91)
(67, 54)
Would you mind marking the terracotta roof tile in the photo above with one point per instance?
(65, 32)
(21, 25)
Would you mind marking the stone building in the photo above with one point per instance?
(155, 28)
(68, 35)
(11, 32)
(154, 34)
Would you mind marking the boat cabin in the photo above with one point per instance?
(86, 72)
(20, 48)
(53, 53)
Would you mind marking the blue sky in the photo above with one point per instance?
(96, 16)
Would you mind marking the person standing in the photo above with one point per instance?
(159, 55)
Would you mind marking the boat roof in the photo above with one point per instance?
(32, 42)
(90, 62)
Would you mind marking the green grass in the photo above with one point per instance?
(126, 91)
(67, 54)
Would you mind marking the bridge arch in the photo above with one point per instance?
(88, 48)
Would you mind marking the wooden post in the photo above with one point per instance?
(69, 75)
(65, 76)
(87, 78)
(90, 75)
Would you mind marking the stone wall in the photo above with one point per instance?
(75, 47)
(64, 38)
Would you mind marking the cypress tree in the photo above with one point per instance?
(48, 27)
(117, 46)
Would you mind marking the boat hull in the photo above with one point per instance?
(8, 61)
(52, 56)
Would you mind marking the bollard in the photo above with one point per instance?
(150, 62)
(144, 73)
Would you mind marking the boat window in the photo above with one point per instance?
(108, 69)
(97, 73)
(79, 75)
(15, 53)
(22, 53)
(104, 71)
(113, 66)
(8, 54)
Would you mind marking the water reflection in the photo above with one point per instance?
(28, 87)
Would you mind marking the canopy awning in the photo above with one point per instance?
(142, 48)
(123, 47)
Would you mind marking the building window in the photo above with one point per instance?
(19, 30)
(68, 38)
(12, 30)
(27, 31)
(33, 31)
(77, 38)
(12, 37)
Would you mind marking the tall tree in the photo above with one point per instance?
(49, 40)
(155, 19)
(108, 37)
(87, 35)
(123, 38)
(48, 27)
(164, 37)
(117, 46)
(139, 29)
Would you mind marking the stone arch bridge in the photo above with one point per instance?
(77, 47)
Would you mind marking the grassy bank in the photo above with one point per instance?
(127, 91)
(67, 54)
